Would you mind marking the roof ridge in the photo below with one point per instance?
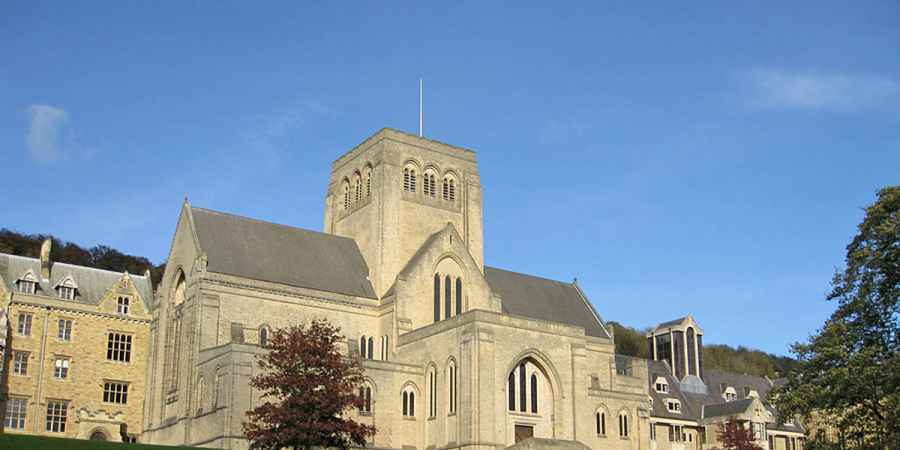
(266, 222)
(99, 269)
(529, 275)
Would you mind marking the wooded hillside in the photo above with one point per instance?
(100, 256)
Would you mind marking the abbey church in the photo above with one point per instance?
(457, 354)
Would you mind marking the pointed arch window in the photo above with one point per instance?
(623, 424)
(432, 393)
(451, 375)
(458, 296)
(370, 350)
(429, 187)
(437, 297)
(601, 423)
(368, 181)
(447, 309)
(357, 187)
(263, 336)
(409, 403)
(534, 393)
(363, 347)
(365, 395)
(522, 387)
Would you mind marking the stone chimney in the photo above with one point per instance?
(45, 258)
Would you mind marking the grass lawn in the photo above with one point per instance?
(22, 442)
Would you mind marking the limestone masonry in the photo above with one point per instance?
(457, 354)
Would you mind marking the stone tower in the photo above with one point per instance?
(395, 190)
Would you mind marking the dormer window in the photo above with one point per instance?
(673, 405)
(662, 386)
(26, 287)
(66, 292)
(730, 395)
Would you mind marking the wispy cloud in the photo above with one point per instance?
(781, 89)
(46, 125)
(49, 135)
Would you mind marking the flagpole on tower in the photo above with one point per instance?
(421, 114)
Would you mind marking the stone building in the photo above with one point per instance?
(457, 354)
(689, 404)
(76, 349)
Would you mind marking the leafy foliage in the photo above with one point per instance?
(736, 437)
(309, 387)
(633, 342)
(849, 370)
(100, 256)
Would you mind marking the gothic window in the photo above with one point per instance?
(452, 377)
(623, 424)
(458, 296)
(409, 179)
(346, 188)
(263, 336)
(601, 423)
(534, 393)
(179, 292)
(432, 392)
(522, 387)
(449, 189)
(409, 402)
(437, 297)
(362, 347)
(384, 348)
(365, 394)
(370, 349)
(447, 309)
(357, 187)
(199, 400)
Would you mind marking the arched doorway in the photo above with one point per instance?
(98, 435)
(529, 401)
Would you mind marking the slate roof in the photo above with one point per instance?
(266, 251)
(698, 406)
(732, 408)
(92, 283)
(544, 299)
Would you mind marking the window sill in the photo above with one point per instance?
(410, 418)
(451, 414)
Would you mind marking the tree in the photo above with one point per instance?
(308, 387)
(733, 436)
(850, 369)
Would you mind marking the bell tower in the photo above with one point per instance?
(395, 190)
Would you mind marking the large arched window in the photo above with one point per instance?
(623, 424)
(437, 297)
(409, 179)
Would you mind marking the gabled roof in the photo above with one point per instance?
(540, 298)
(92, 283)
(266, 251)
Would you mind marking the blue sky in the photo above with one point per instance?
(710, 158)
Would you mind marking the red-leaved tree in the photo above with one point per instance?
(308, 388)
(735, 437)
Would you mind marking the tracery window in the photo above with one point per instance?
(346, 187)
(357, 187)
(409, 402)
(429, 188)
(365, 394)
(368, 181)
(600, 417)
(623, 424)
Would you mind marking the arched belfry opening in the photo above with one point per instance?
(530, 401)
